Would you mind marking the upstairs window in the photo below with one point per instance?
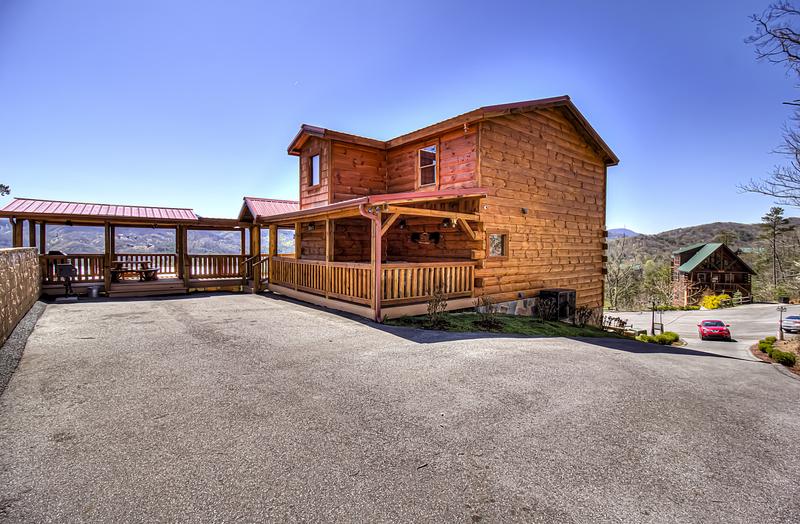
(427, 166)
(314, 168)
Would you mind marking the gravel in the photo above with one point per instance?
(11, 350)
(252, 408)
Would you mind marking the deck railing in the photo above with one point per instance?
(408, 282)
(216, 266)
(166, 263)
(352, 282)
(89, 267)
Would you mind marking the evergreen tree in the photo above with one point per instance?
(774, 226)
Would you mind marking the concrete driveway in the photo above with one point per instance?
(249, 408)
(749, 323)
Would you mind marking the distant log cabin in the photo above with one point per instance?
(708, 269)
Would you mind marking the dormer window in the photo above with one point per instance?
(314, 171)
(427, 166)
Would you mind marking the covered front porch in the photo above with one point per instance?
(381, 256)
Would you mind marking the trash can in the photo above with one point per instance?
(783, 300)
(94, 291)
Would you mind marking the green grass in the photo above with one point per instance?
(510, 324)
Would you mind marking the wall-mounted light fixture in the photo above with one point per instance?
(448, 223)
(524, 210)
(402, 223)
(311, 226)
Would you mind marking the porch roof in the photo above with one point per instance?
(264, 207)
(59, 209)
(387, 198)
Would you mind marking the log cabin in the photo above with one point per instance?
(708, 269)
(505, 201)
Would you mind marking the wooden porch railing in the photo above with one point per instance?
(410, 282)
(166, 263)
(216, 266)
(352, 282)
(90, 267)
(257, 265)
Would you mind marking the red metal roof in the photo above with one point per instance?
(264, 207)
(30, 206)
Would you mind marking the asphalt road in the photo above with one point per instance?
(749, 323)
(247, 408)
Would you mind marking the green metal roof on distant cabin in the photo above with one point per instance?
(688, 248)
(698, 257)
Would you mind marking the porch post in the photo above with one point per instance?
(242, 269)
(186, 262)
(273, 248)
(328, 254)
(255, 251)
(377, 271)
(179, 251)
(298, 248)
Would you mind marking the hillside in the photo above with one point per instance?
(622, 232)
(660, 245)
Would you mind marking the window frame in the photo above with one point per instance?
(311, 170)
(505, 234)
(435, 182)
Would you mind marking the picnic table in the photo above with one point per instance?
(136, 268)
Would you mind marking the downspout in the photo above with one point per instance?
(375, 223)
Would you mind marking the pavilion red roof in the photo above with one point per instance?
(35, 207)
(264, 207)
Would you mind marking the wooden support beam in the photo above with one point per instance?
(468, 230)
(107, 259)
(273, 248)
(16, 232)
(42, 237)
(298, 243)
(418, 211)
(389, 221)
(328, 254)
(31, 233)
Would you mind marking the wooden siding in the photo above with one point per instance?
(351, 240)
(314, 196)
(540, 162)
(357, 171)
(457, 162)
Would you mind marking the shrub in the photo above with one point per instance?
(784, 357)
(770, 340)
(437, 305)
(583, 314)
(764, 347)
(715, 301)
(671, 336)
(486, 309)
(547, 309)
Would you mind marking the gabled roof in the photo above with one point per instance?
(689, 248)
(62, 209)
(703, 253)
(482, 113)
(264, 207)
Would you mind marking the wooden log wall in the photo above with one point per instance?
(541, 162)
(312, 242)
(453, 243)
(457, 161)
(314, 196)
(357, 171)
(351, 240)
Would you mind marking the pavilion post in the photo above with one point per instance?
(107, 256)
(32, 233)
(42, 237)
(242, 268)
(185, 261)
(16, 232)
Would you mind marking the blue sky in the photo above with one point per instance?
(191, 103)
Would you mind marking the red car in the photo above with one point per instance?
(714, 329)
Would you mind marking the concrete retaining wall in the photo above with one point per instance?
(20, 286)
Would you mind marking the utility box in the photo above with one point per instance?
(564, 300)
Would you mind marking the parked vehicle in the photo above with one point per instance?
(714, 329)
(791, 324)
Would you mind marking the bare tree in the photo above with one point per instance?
(4, 190)
(622, 278)
(777, 40)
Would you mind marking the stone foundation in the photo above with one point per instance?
(20, 286)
